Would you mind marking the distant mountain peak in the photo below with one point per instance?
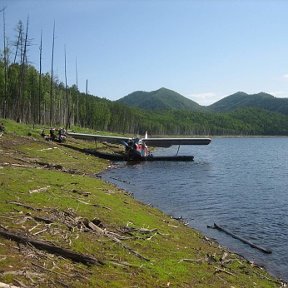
(239, 93)
(161, 99)
(261, 100)
(264, 94)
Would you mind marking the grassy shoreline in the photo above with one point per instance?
(51, 193)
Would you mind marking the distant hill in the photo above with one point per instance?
(162, 99)
(165, 99)
(242, 100)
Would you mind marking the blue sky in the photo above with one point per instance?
(202, 49)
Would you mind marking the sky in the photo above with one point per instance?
(203, 49)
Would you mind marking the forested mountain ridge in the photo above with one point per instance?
(161, 99)
(261, 100)
(165, 100)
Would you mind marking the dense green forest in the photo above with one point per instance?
(27, 95)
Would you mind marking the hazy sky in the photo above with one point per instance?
(204, 50)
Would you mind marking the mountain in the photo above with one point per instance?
(242, 100)
(165, 99)
(162, 99)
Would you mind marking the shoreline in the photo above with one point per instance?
(189, 225)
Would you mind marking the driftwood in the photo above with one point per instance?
(129, 230)
(242, 239)
(77, 257)
(23, 205)
(94, 205)
(113, 236)
(41, 219)
(43, 189)
(223, 270)
(4, 285)
(84, 193)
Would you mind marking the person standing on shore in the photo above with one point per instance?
(2, 129)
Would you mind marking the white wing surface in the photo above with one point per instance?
(100, 138)
(167, 142)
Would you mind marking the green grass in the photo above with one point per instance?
(165, 248)
(21, 129)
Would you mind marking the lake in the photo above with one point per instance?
(238, 183)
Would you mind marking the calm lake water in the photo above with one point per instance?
(239, 183)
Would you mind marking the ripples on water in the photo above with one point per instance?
(239, 183)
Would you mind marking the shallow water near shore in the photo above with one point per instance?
(238, 183)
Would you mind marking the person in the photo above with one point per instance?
(61, 135)
(2, 128)
(52, 134)
(43, 133)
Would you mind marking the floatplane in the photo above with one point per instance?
(136, 149)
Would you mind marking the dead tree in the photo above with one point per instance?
(77, 96)
(40, 81)
(19, 50)
(22, 44)
(67, 96)
(66, 253)
(5, 58)
(52, 79)
(24, 64)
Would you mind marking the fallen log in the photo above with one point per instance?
(76, 257)
(41, 219)
(84, 193)
(4, 285)
(23, 205)
(220, 228)
(43, 189)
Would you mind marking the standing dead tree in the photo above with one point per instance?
(19, 50)
(40, 80)
(5, 60)
(77, 96)
(22, 106)
(67, 96)
(52, 79)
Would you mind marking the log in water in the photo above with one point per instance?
(242, 239)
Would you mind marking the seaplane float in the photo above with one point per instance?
(136, 149)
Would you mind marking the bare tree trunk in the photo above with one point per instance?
(33, 98)
(23, 68)
(19, 47)
(52, 78)
(77, 96)
(40, 82)
(4, 111)
(86, 106)
(22, 44)
(74, 256)
(66, 95)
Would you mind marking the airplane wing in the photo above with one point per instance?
(167, 142)
(100, 138)
(154, 142)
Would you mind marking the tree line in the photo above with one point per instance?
(27, 95)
